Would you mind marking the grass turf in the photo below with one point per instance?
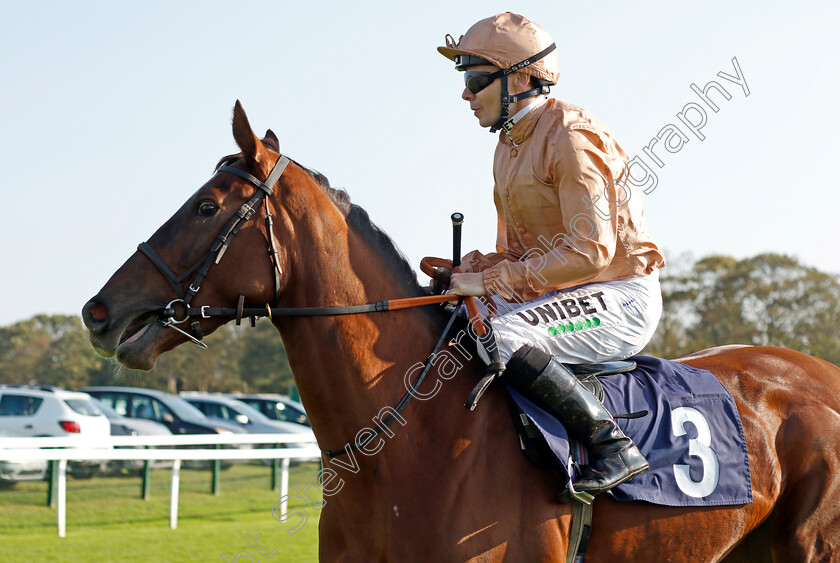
(108, 521)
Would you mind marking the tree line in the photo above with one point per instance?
(54, 350)
(766, 300)
(769, 299)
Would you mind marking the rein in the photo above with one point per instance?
(206, 312)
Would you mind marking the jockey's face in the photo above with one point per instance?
(487, 104)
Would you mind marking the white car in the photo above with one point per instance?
(31, 411)
(48, 411)
(23, 469)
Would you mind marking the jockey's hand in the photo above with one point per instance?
(467, 284)
(441, 282)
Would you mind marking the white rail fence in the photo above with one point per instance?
(79, 449)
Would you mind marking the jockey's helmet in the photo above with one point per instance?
(513, 43)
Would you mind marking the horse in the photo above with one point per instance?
(442, 483)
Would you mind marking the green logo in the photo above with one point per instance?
(572, 327)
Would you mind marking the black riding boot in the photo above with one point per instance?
(614, 458)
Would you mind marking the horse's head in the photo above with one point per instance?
(192, 260)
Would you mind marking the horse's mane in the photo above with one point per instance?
(359, 219)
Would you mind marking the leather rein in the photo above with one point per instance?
(214, 255)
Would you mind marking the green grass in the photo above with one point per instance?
(108, 521)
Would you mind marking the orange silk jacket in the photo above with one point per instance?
(567, 214)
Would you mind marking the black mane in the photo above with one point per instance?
(359, 219)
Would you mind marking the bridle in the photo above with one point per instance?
(217, 250)
(214, 255)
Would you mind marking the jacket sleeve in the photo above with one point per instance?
(475, 261)
(579, 169)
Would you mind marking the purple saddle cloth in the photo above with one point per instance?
(691, 435)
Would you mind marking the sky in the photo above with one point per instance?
(113, 113)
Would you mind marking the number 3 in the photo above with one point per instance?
(699, 447)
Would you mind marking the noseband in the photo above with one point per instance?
(217, 250)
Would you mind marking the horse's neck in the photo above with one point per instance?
(347, 368)
(350, 370)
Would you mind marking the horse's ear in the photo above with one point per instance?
(270, 140)
(253, 149)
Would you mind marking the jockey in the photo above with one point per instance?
(574, 278)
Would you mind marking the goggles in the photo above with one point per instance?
(478, 80)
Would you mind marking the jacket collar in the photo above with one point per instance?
(519, 127)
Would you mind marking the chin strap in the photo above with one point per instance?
(507, 99)
(504, 122)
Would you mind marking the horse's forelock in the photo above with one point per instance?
(228, 160)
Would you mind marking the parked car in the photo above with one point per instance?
(275, 407)
(42, 411)
(50, 411)
(170, 410)
(222, 407)
(124, 426)
(12, 471)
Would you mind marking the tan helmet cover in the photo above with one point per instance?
(504, 40)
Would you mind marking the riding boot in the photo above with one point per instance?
(614, 458)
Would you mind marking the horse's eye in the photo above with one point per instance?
(207, 209)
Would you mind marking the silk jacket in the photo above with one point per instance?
(567, 214)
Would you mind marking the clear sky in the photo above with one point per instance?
(113, 113)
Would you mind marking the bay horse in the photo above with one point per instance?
(443, 483)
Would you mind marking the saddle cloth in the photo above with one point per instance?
(691, 434)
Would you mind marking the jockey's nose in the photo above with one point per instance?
(95, 315)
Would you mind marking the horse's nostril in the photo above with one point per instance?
(94, 313)
(99, 312)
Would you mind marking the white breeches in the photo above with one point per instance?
(591, 323)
